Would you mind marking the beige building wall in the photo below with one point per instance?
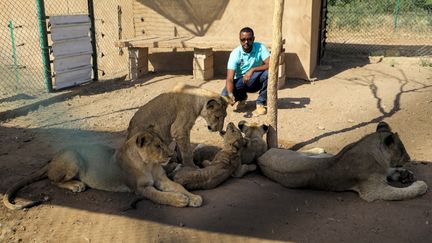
(223, 19)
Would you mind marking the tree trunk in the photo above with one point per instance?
(272, 139)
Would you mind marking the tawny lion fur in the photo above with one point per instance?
(362, 166)
(135, 167)
(255, 146)
(173, 115)
(226, 163)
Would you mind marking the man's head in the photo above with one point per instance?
(247, 39)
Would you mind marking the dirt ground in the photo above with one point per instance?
(345, 103)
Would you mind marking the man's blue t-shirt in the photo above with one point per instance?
(241, 61)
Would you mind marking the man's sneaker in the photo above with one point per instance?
(241, 105)
(260, 110)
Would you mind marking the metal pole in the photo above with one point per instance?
(93, 39)
(396, 13)
(43, 41)
(14, 57)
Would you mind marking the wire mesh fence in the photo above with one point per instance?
(113, 20)
(21, 65)
(21, 68)
(380, 27)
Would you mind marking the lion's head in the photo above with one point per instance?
(233, 138)
(150, 147)
(394, 146)
(253, 130)
(214, 113)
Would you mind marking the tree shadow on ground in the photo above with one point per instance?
(371, 83)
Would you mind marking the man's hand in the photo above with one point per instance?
(247, 76)
(231, 99)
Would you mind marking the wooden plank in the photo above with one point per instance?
(157, 42)
(72, 47)
(62, 32)
(73, 77)
(69, 19)
(71, 62)
(129, 42)
(184, 42)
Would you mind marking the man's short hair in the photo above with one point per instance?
(247, 29)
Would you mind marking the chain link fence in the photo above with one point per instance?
(21, 69)
(380, 27)
(21, 66)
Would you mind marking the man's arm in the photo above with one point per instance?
(249, 73)
(230, 84)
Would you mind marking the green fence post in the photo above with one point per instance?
(396, 14)
(43, 41)
(14, 56)
(93, 39)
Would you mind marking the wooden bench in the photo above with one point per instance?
(203, 48)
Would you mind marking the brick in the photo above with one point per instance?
(203, 63)
(138, 62)
(281, 82)
(282, 58)
(281, 70)
(203, 74)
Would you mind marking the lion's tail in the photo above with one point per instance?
(9, 195)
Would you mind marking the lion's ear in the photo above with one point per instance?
(212, 104)
(241, 125)
(142, 139)
(383, 127)
(389, 140)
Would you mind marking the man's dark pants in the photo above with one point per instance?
(257, 82)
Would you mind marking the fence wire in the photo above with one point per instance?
(21, 69)
(380, 27)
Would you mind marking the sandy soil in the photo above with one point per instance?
(344, 104)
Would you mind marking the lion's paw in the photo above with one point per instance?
(77, 186)
(195, 201)
(181, 201)
(421, 187)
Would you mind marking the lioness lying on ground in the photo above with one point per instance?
(135, 167)
(226, 163)
(255, 146)
(173, 115)
(361, 166)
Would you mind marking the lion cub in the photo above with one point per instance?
(135, 167)
(255, 146)
(226, 163)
